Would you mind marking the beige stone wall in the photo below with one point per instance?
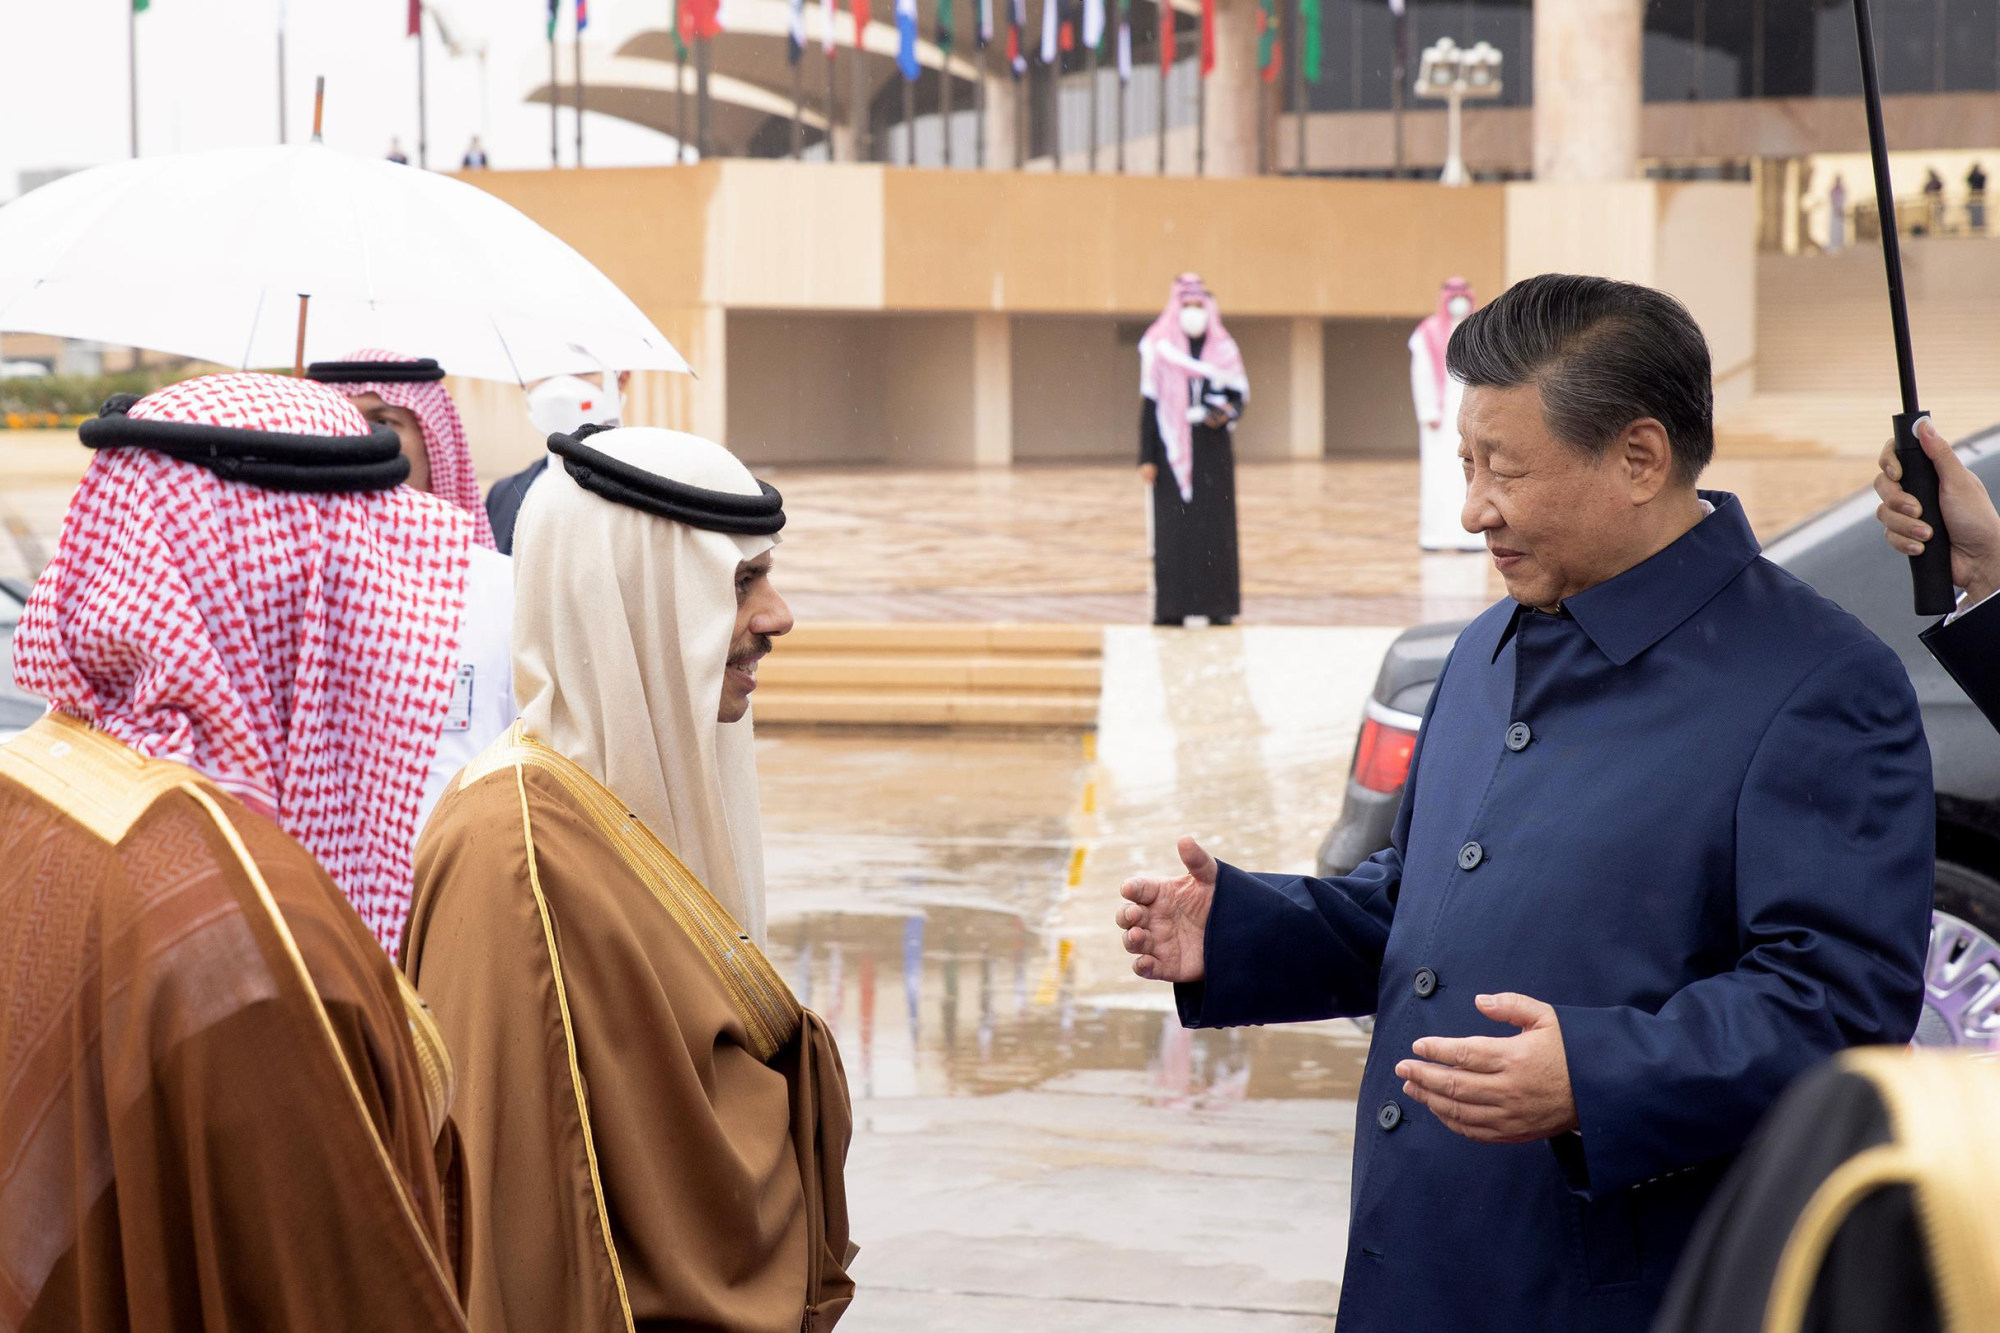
(1367, 379)
(1075, 390)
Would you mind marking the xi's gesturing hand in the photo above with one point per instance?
(1166, 920)
(1497, 1089)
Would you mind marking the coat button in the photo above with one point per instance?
(1470, 855)
(1425, 983)
(1389, 1116)
(1518, 737)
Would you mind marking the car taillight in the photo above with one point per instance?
(1382, 755)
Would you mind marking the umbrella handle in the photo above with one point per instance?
(1930, 573)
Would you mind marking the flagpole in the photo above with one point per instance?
(702, 61)
(799, 90)
(1166, 38)
(423, 113)
(832, 85)
(1200, 119)
(909, 123)
(1299, 85)
(858, 101)
(579, 85)
(132, 66)
(944, 94)
(1399, 77)
(282, 136)
(1090, 63)
(555, 94)
(979, 109)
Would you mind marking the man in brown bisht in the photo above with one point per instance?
(654, 1129)
(218, 1100)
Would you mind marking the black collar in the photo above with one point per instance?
(274, 460)
(760, 515)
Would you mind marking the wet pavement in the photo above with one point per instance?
(1039, 1143)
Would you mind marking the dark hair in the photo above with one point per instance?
(1604, 354)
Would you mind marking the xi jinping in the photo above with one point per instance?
(1666, 842)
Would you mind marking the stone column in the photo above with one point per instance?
(1231, 118)
(1308, 437)
(1588, 89)
(992, 385)
(1001, 112)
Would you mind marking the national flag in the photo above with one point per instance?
(416, 16)
(906, 40)
(1166, 37)
(1066, 37)
(683, 13)
(1270, 53)
(141, 6)
(582, 14)
(1093, 24)
(861, 19)
(795, 30)
(1124, 41)
(985, 23)
(830, 9)
(1310, 38)
(945, 23)
(1051, 39)
(1207, 38)
(1396, 8)
(1017, 31)
(552, 19)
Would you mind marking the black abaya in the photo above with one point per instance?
(1194, 541)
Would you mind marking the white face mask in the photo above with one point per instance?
(1194, 321)
(1459, 306)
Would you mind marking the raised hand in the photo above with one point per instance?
(1166, 920)
(1497, 1089)
(1967, 509)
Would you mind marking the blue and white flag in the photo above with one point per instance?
(1124, 45)
(795, 31)
(906, 45)
(1093, 24)
(985, 24)
(1051, 22)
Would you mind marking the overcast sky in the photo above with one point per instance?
(208, 79)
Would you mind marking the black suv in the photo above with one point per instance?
(1840, 552)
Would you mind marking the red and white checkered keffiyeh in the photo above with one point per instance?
(452, 477)
(1168, 369)
(297, 649)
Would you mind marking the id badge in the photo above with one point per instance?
(458, 716)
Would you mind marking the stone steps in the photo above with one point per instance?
(933, 675)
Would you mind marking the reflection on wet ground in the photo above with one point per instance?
(945, 901)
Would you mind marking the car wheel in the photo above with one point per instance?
(1962, 974)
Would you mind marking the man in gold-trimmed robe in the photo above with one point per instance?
(218, 1100)
(654, 1129)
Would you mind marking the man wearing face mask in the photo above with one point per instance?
(1441, 480)
(1192, 382)
(557, 406)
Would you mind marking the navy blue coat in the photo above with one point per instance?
(1693, 812)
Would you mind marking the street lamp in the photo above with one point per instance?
(1456, 74)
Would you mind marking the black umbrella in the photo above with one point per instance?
(1931, 571)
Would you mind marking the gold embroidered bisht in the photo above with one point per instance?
(654, 1130)
(218, 1103)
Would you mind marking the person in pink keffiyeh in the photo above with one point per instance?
(1193, 390)
(408, 394)
(242, 586)
(1441, 477)
(220, 1104)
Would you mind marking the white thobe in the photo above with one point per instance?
(1440, 476)
(482, 695)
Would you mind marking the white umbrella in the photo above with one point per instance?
(207, 254)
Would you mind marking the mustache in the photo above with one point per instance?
(760, 646)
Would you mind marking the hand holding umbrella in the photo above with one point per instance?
(1930, 567)
(1964, 505)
